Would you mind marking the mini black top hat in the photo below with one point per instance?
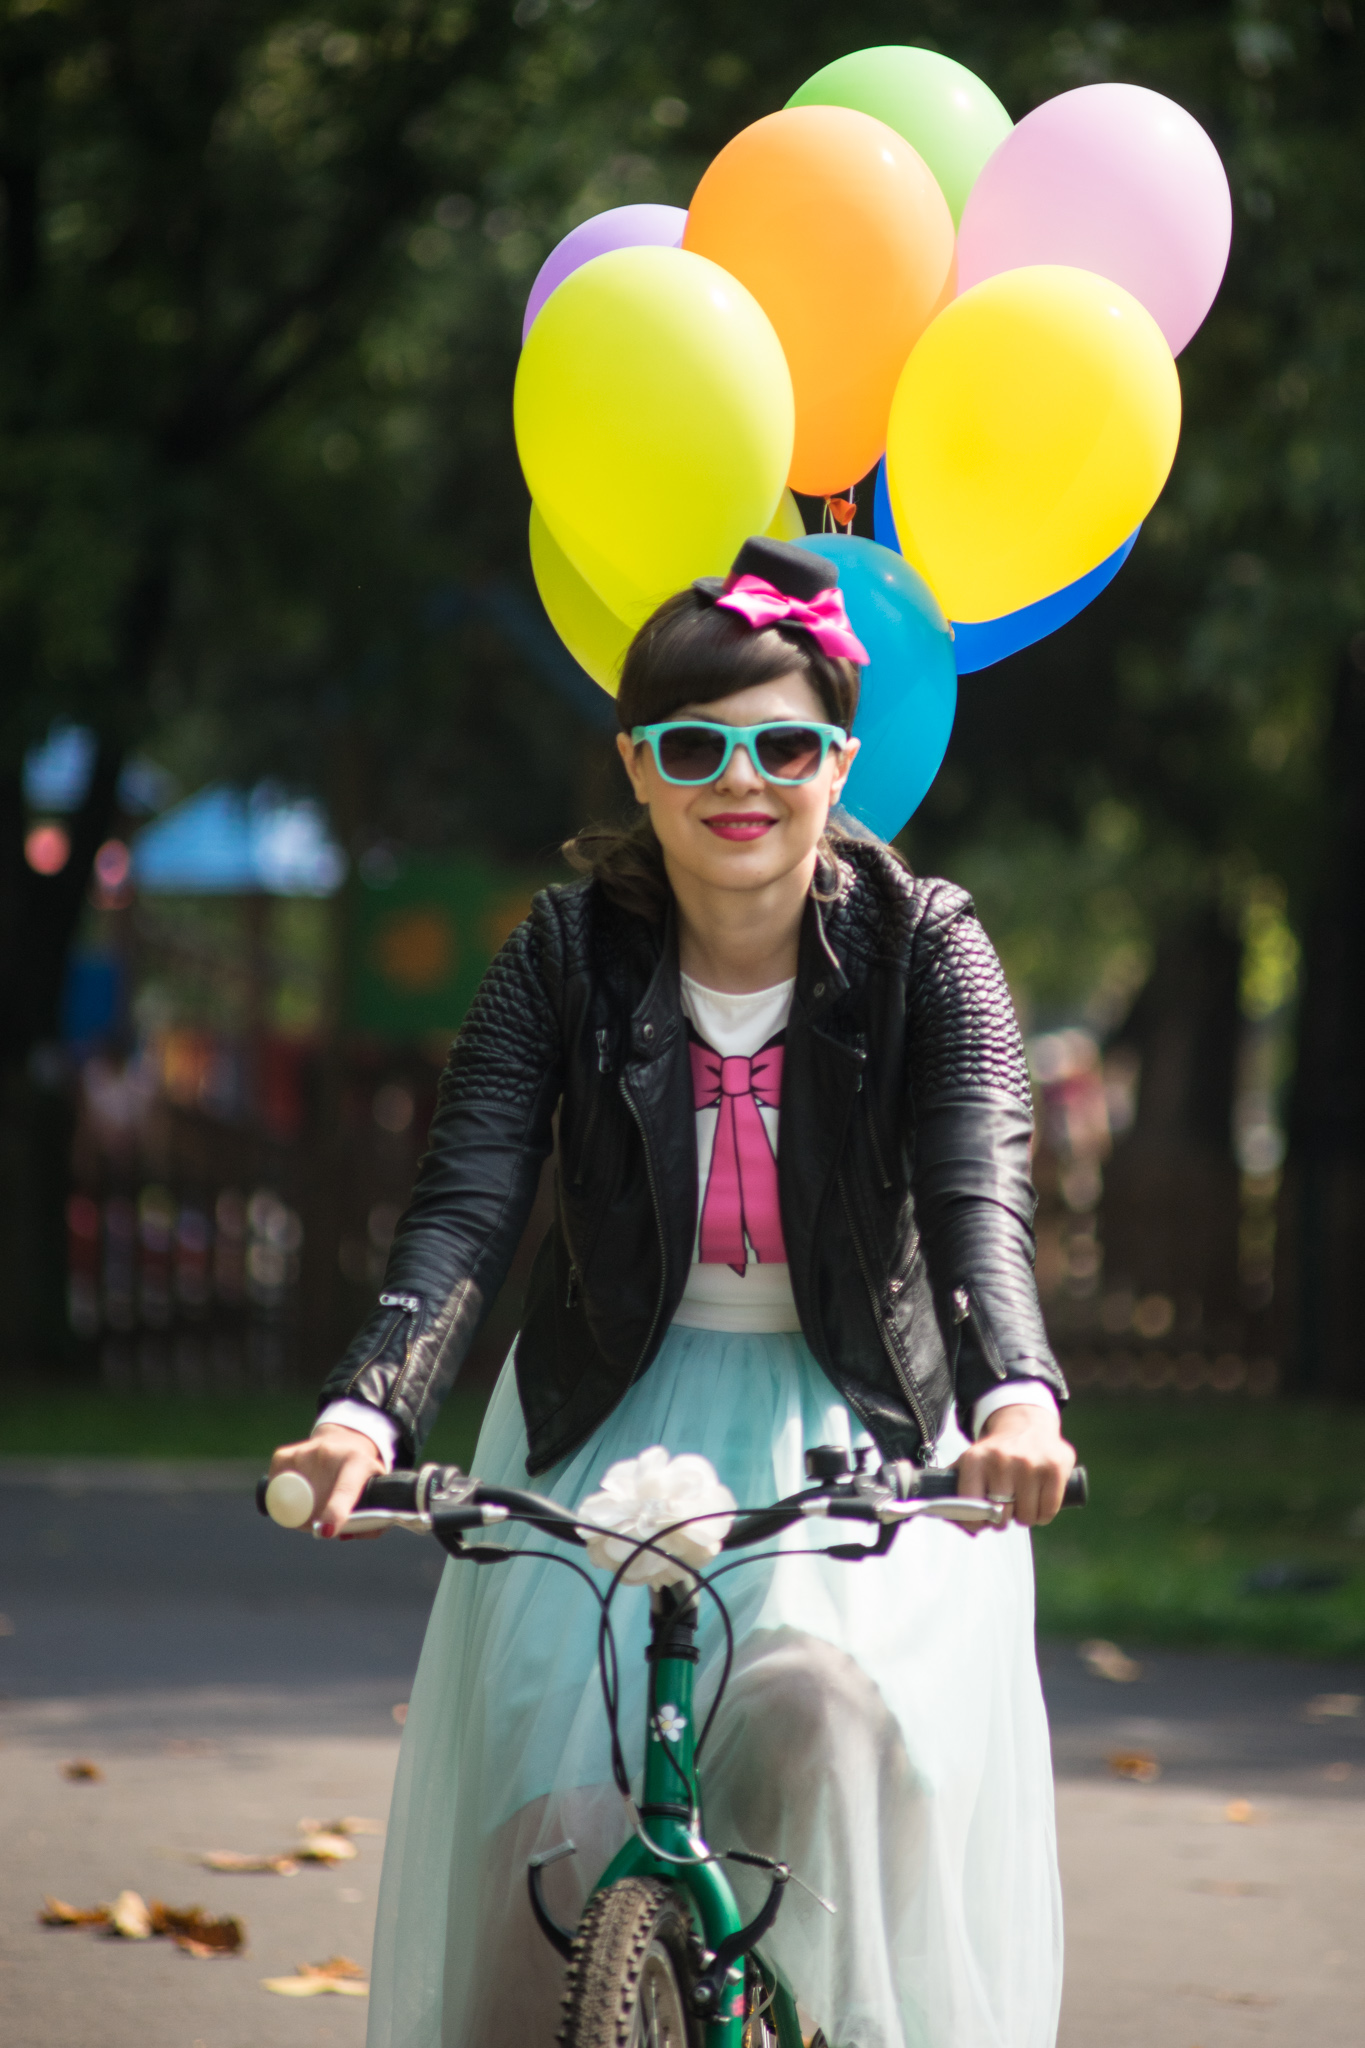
(792, 570)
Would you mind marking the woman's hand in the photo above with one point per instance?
(1020, 1456)
(336, 1462)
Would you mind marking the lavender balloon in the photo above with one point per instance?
(620, 227)
(1109, 178)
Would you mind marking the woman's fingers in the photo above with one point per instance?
(1021, 1458)
(337, 1463)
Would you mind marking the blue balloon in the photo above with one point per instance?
(990, 640)
(909, 693)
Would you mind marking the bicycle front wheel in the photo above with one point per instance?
(630, 1971)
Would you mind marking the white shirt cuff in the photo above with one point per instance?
(1012, 1394)
(372, 1422)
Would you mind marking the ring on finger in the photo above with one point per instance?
(1001, 1500)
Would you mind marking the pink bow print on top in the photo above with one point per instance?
(740, 1207)
(822, 616)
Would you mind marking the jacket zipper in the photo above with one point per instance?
(405, 1306)
(658, 1225)
(966, 1311)
(603, 1067)
(902, 1379)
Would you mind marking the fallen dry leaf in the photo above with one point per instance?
(196, 1932)
(400, 1712)
(192, 1929)
(1107, 1660)
(81, 1771)
(325, 1848)
(349, 1824)
(1241, 1812)
(312, 1980)
(1334, 1706)
(233, 1859)
(1138, 1764)
(314, 1987)
(129, 1917)
(56, 1913)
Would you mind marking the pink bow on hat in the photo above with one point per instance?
(823, 616)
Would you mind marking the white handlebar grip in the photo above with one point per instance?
(289, 1500)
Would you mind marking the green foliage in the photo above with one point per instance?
(70, 1422)
(1187, 1499)
(262, 287)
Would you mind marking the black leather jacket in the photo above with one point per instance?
(902, 1167)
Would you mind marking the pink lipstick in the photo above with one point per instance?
(739, 825)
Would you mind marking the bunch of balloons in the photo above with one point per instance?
(886, 275)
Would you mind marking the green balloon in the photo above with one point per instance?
(942, 109)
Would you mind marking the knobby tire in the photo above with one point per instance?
(633, 1942)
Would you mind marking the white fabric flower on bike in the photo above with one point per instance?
(642, 1499)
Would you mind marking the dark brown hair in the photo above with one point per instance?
(690, 652)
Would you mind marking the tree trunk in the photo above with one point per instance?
(1170, 1211)
(1322, 1207)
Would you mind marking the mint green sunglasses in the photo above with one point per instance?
(688, 751)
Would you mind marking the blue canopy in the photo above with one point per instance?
(226, 842)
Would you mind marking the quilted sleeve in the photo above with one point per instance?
(973, 1112)
(477, 1180)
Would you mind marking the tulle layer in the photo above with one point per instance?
(884, 1733)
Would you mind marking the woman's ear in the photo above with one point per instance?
(846, 754)
(630, 759)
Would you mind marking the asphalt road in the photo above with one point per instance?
(229, 1681)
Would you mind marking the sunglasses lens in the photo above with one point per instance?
(690, 753)
(790, 753)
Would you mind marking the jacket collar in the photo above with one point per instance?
(657, 1017)
(820, 978)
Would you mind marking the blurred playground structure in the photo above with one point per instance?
(252, 1035)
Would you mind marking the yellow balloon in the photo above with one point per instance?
(593, 634)
(786, 523)
(1033, 427)
(654, 420)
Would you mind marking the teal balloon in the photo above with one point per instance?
(909, 693)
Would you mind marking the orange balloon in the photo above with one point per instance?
(839, 230)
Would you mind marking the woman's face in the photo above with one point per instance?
(741, 832)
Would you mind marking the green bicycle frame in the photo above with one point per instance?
(672, 1796)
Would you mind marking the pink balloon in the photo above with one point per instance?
(1109, 178)
(620, 227)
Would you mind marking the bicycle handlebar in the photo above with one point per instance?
(444, 1495)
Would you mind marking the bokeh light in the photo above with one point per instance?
(47, 849)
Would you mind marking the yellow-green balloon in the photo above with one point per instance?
(593, 634)
(654, 420)
(786, 523)
(943, 110)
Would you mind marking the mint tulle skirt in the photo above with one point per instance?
(883, 1732)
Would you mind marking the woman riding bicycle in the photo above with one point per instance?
(788, 1101)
